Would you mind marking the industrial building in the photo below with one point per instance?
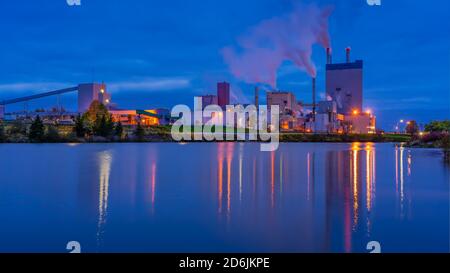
(285, 100)
(209, 100)
(342, 111)
(361, 122)
(223, 94)
(151, 117)
(327, 120)
(344, 84)
(88, 92)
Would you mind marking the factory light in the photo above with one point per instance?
(102, 90)
(355, 112)
(368, 112)
(401, 121)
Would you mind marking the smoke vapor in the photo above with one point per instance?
(289, 37)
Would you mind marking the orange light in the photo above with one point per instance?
(355, 112)
(369, 112)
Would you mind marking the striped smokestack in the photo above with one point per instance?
(347, 54)
(329, 55)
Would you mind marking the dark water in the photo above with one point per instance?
(227, 197)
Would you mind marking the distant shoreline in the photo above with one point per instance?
(284, 138)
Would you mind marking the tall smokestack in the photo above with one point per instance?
(347, 53)
(257, 97)
(314, 98)
(329, 55)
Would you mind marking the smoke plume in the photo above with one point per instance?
(289, 37)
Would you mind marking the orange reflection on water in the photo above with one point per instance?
(225, 152)
(229, 158)
(369, 176)
(220, 156)
(354, 167)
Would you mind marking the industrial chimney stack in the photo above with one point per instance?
(257, 97)
(314, 98)
(347, 53)
(329, 55)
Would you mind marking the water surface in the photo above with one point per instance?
(222, 197)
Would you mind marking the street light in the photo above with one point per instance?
(397, 127)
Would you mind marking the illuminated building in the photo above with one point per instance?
(145, 117)
(362, 122)
(88, 92)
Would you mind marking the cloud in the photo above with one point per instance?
(145, 84)
(150, 84)
(33, 87)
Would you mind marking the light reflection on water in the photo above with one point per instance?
(223, 197)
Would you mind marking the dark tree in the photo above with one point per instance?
(118, 129)
(139, 132)
(110, 126)
(37, 130)
(2, 132)
(438, 126)
(79, 128)
(52, 134)
(18, 128)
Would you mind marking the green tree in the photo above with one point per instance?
(110, 126)
(37, 130)
(79, 128)
(412, 128)
(438, 126)
(139, 132)
(104, 126)
(118, 129)
(93, 118)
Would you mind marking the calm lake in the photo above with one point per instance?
(223, 197)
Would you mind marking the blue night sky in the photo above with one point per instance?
(161, 53)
